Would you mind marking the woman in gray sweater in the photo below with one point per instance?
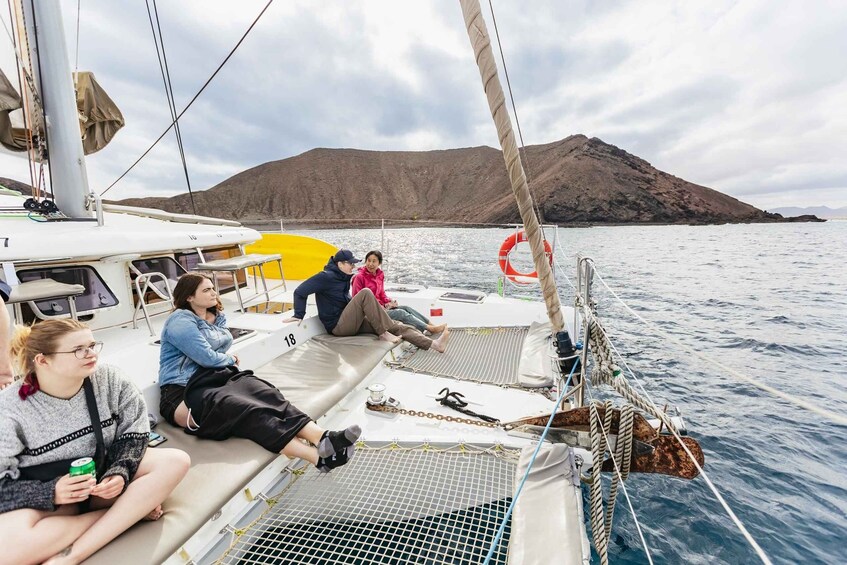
(47, 421)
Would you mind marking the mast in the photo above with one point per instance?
(481, 43)
(52, 72)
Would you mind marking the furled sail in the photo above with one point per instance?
(99, 117)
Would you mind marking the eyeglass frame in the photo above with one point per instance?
(94, 348)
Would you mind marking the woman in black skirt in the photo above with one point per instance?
(204, 392)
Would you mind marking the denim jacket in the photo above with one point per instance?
(189, 343)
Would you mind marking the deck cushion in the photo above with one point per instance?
(42, 290)
(313, 376)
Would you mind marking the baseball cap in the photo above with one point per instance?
(345, 255)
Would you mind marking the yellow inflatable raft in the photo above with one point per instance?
(302, 256)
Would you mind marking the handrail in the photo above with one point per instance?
(167, 296)
(169, 216)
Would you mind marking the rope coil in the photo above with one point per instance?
(601, 522)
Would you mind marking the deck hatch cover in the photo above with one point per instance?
(473, 298)
(483, 355)
(389, 505)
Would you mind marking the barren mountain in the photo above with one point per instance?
(575, 180)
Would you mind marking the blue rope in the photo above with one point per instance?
(502, 528)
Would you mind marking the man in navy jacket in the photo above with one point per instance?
(343, 316)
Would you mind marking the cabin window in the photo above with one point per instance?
(96, 296)
(190, 260)
(165, 265)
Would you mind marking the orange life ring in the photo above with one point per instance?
(506, 249)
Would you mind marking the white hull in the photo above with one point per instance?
(188, 532)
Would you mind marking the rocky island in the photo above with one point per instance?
(575, 181)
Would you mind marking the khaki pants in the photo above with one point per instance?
(364, 315)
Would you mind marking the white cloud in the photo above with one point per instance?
(740, 96)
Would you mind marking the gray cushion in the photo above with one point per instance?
(314, 376)
(42, 290)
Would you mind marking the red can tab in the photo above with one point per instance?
(436, 311)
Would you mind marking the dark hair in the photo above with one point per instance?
(375, 253)
(185, 288)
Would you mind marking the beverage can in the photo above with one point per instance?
(83, 466)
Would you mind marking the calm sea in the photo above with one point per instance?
(769, 300)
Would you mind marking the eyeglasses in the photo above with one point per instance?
(82, 351)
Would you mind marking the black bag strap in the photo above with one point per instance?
(94, 414)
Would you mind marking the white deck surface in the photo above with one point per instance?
(136, 353)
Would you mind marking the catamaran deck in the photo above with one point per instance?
(418, 489)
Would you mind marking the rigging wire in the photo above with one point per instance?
(558, 247)
(76, 54)
(830, 415)
(209, 80)
(737, 521)
(41, 93)
(508, 515)
(169, 93)
(564, 274)
(515, 110)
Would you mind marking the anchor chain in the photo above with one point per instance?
(430, 415)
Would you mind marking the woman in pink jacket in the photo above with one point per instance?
(371, 276)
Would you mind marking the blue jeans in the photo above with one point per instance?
(410, 316)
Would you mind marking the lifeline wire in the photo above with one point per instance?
(202, 88)
(564, 274)
(836, 418)
(528, 469)
(737, 521)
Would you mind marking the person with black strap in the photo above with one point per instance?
(66, 408)
(204, 391)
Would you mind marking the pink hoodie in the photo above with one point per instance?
(375, 282)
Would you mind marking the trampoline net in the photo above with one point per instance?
(389, 505)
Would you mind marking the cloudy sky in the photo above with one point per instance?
(747, 97)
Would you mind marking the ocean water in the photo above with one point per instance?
(769, 300)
